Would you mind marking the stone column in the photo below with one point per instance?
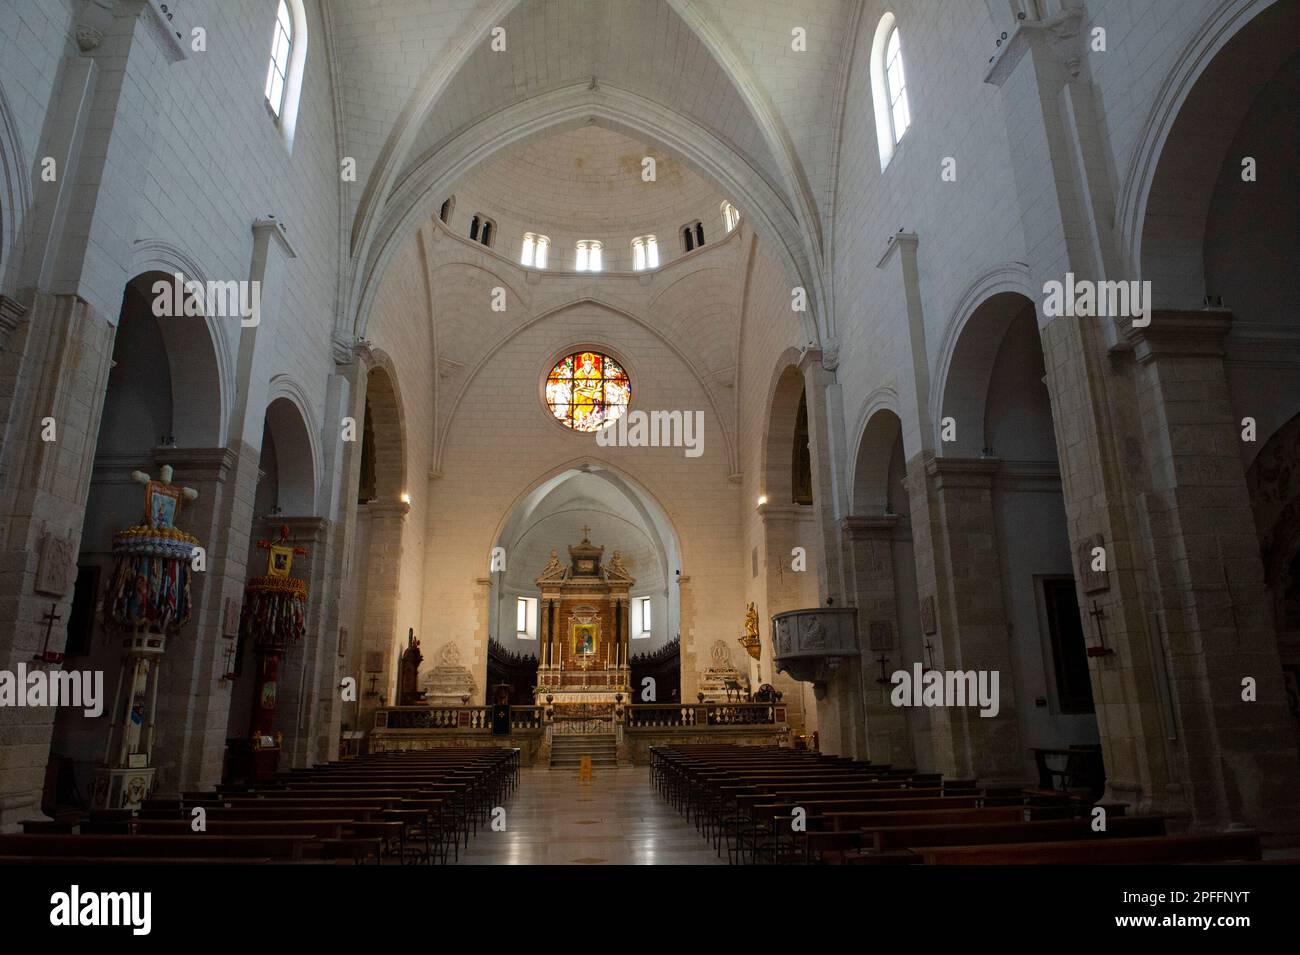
(870, 573)
(380, 568)
(1206, 580)
(959, 576)
(62, 355)
(193, 697)
(300, 669)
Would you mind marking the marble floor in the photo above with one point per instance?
(616, 819)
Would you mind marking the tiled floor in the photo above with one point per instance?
(616, 819)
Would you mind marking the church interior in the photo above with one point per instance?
(665, 432)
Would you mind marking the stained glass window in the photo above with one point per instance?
(587, 391)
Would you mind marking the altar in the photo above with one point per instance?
(583, 673)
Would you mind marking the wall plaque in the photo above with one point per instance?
(928, 623)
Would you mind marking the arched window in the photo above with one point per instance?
(730, 216)
(645, 253)
(889, 88)
(482, 229)
(693, 235)
(587, 256)
(444, 213)
(587, 390)
(488, 232)
(801, 463)
(283, 88)
(534, 250)
(473, 228)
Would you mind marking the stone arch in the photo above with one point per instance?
(297, 448)
(784, 393)
(15, 195)
(877, 458)
(416, 199)
(163, 260)
(1009, 279)
(1167, 192)
(384, 401)
(588, 299)
(391, 165)
(967, 379)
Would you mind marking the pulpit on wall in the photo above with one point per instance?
(585, 614)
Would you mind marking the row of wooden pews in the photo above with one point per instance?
(393, 807)
(773, 805)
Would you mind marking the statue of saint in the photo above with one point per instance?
(408, 673)
(553, 566)
(751, 621)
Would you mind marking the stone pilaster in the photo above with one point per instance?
(869, 546)
(193, 699)
(1207, 583)
(63, 353)
(297, 705)
(380, 570)
(959, 576)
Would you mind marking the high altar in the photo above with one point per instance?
(585, 611)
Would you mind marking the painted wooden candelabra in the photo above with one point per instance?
(274, 617)
(148, 599)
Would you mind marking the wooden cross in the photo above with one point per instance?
(46, 655)
(1099, 614)
(882, 660)
(929, 649)
(585, 531)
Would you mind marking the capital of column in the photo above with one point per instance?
(784, 513)
(1059, 38)
(955, 473)
(197, 464)
(870, 527)
(308, 528)
(385, 509)
(1180, 334)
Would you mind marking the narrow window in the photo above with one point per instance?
(445, 212)
(730, 217)
(277, 73)
(528, 253)
(473, 228)
(645, 253)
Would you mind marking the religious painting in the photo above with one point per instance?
(587, 390)
(281, 561)
(161, 502)
(584, 638)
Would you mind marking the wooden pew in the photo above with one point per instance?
(1215, 847)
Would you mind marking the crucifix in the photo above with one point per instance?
(882, 660)
(585, 531)
(929, 649)
(1101, 650)
(47, 655)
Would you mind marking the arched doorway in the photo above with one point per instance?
(374, 577)
(787, 511)
(1014, 600)
(882, 572)
(163, 393)
(613, 512)
(284, 500)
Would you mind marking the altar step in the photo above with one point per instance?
(567, 751)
